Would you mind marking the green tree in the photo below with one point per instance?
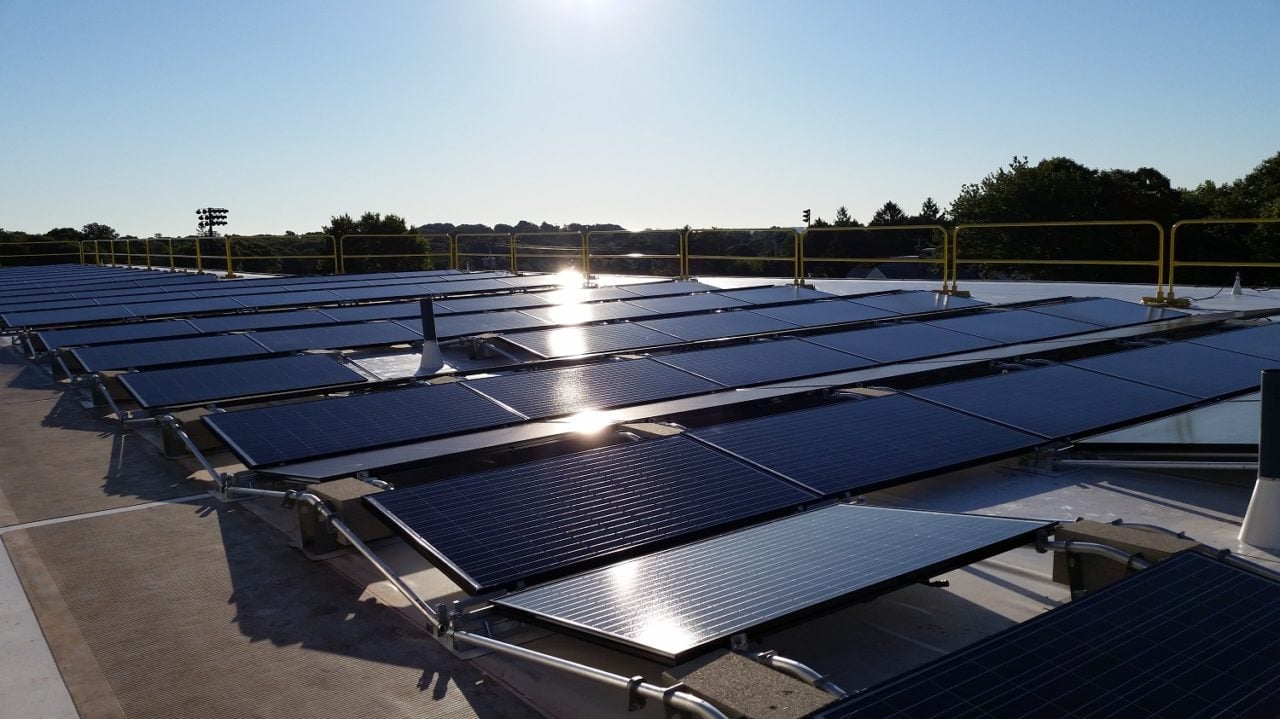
(889, 214)
(382, 235)
(97, 231)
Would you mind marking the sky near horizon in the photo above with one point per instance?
(647, 113)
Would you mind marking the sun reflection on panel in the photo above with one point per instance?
(566, 342)
(569, 314)
(588, 422)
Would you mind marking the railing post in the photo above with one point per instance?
(512, 240)
(173, 265)
(341, 251)
(128, 253)
(684, 253)
(226, 243)
(146, 247)
(797, 251)
(586, 254)
(81, 246)
(199, 257)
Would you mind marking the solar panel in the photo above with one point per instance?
(558, 515)
(185, 307)
(688, 303)
(463, 325)
(776, 295)
(910, 303)
(572, 296)
(900, 343)
(1012, 326)
(466, 286)
(757, 362)
(361, 334)
(816, 314)
(210, 383)
(674, 603)
(36, 305)
(859, 446)
(1263, 341)
(576, 314)
(591, 339)
(496, 302)
(1183, 367)
(136, 355)
(531, 281)
(127, 332)
(1108, 312)
(382, 292)
(548, 393)
(718, 324)
(387, 311)
(1189, 637)
(289, 299)
(270, 435)
(77, 315)
(667, 289)
(260, 320)
(1057, 401)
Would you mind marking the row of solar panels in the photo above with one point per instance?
(553, 342)
(58, 278)
(269, 435)
(105, 286)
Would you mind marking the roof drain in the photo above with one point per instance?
(442, 625)
(800, 671)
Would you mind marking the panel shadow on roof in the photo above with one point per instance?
(554, 516)
(673, 603)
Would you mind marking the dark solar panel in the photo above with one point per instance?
(862, 445)
(531, 281)
(260, 320)
(815, 314)
(554, 516)
(899, 343)
(466, 286)
(667, 289)
(289, 299)
(270, 435)
(388, 311)
(1054, 402)
(135, 355)
(909, 303)
(1108, 312)
(76, 315)
(593, 294)
(1261, 341)
(362, 334)
(1183, 367)
(29, 304)
(1014, 325)
(573, 341)
(382, 292)
(576, 314)
(548, 393)
(496, 302)
(210, 383)
(776, 295)
(674, 603)
(717, 324)
(127, 332)
(185, 307)
(688, 303)
(757, 362)
(1189, 637)
(476, 323)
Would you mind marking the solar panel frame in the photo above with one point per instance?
(580, 510)
(755, 363)
(202, 384)
(673, 604)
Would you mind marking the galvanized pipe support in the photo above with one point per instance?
(1074, 546)
(800, 671)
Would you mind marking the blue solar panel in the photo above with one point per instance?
(77, 315)
(591, 339)
(667, 289)
(495, 302)
(387, 311)
(37, 305)
(260, 320)
(816, 314)
(900, 343)
(1189, 637)
(718, 324)
(859, 446)
(758, 362)
(1057, 401)
(362, 334)
(576, 314)
(1183, 367)
(1108, 312)
(688, 303)
(910, 303)
(675, 603)
(290, 299)
(198, 305)
(1261, 341)
(776, 295)
(548, 393)
(212, 383)
(1012, 326)
(127, 332)
(382, 292)
(531, 281)
(554, 516)
(464, 325)
(573, 296)
(271, 435)
(179, 350)
(468, 286)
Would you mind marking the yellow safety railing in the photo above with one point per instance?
(815, 236)
(626, 252)
(724, 245)
(426, 247)
(1175, 263)
(329, 255)
(496, 248)
(542, 246)
(7, 255)
(1157, 262)
(196, 255)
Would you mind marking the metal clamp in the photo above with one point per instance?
(635, 701)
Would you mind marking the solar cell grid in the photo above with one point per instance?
(197, 305)
(383, 311)
(1189, 637)
(673, 603)
(78, 315)
(211, 383)
(576, 314)
(759, 362)
(916, 302)
(270, 435)
(260, 320)
(776, 295)
(496, 302)
(127, 332)
(558, 515)
(463, 325)
(667, 289)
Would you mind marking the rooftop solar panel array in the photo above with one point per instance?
(857, 446)
(1263, 341)
(1190, 637)
(211, 383)
(674, 603)
(759, 362)
(558, 515)
(270, 435)
(1168, 366)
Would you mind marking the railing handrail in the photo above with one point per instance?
(941, 260)
(796, 257)
(1173, 245)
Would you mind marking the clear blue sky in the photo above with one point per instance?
(648, 113)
